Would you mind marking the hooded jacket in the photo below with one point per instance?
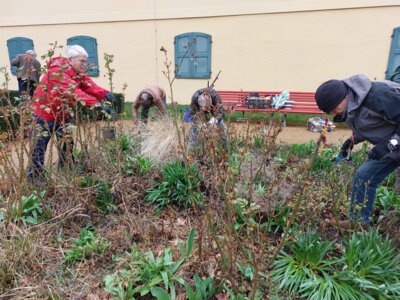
(216, 109)
(61, 88)
(28, 67)
(373, 110)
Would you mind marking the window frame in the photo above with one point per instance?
(394, 54)
(199, 51)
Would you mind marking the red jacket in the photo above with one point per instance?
(61, 88)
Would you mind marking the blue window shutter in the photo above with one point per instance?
(90, 45)
(183, 55)
(202, 56)
(394, 56)
(18, 45)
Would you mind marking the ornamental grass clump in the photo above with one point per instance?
(160, 142)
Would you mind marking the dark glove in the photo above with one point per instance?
(110, 97)
(378, 151)
(103, 107)
(344, 151)
(108, 109)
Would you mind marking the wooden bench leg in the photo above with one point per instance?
(284, 120)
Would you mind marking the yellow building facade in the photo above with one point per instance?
(257, 45)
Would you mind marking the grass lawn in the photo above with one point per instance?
(292, 119)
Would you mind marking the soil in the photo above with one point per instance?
(300, 135)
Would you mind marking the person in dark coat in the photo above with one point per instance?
(396, 78)
(28, 72)
(206, 109)
(372, 111)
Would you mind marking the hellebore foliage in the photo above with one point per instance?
(87, 245)
(180, 185)
(149, 274)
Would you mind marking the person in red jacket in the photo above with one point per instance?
(64, 86)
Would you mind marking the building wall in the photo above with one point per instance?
(257, 45)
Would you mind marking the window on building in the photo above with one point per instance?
(193, 55)
(18, 45)
(394, 55)
(90, 45)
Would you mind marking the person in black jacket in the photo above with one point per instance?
(372, 111)
(206, 110)
(396, 78)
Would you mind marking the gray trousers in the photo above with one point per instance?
(146, 108)
(193, 141)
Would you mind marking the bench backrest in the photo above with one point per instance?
(302, 102)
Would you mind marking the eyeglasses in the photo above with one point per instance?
(82, 61)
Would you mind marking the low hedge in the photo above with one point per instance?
(9, 117)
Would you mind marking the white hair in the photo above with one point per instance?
(74, 51)
(31, 53)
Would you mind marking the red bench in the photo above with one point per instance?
(299, 102)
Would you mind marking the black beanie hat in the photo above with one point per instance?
(330, 94)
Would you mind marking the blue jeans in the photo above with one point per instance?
(366, 180)
(39, 139)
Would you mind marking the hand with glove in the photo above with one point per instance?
(110, 97)
(103, 107)
(213, 121)
(344, 152)
(382, 149)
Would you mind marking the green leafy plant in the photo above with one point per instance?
(372, 263)
(103, 196)
(241, 296)
(127, 144)
(387, 199)
(245, 213)
(310, 273)
(149, 274)
(282, 156)
(138, 165)
(87, 245)
(308, 259)
(390, 180)
(180, 186)
(323, 161)
(302, 150)
(31, 208)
